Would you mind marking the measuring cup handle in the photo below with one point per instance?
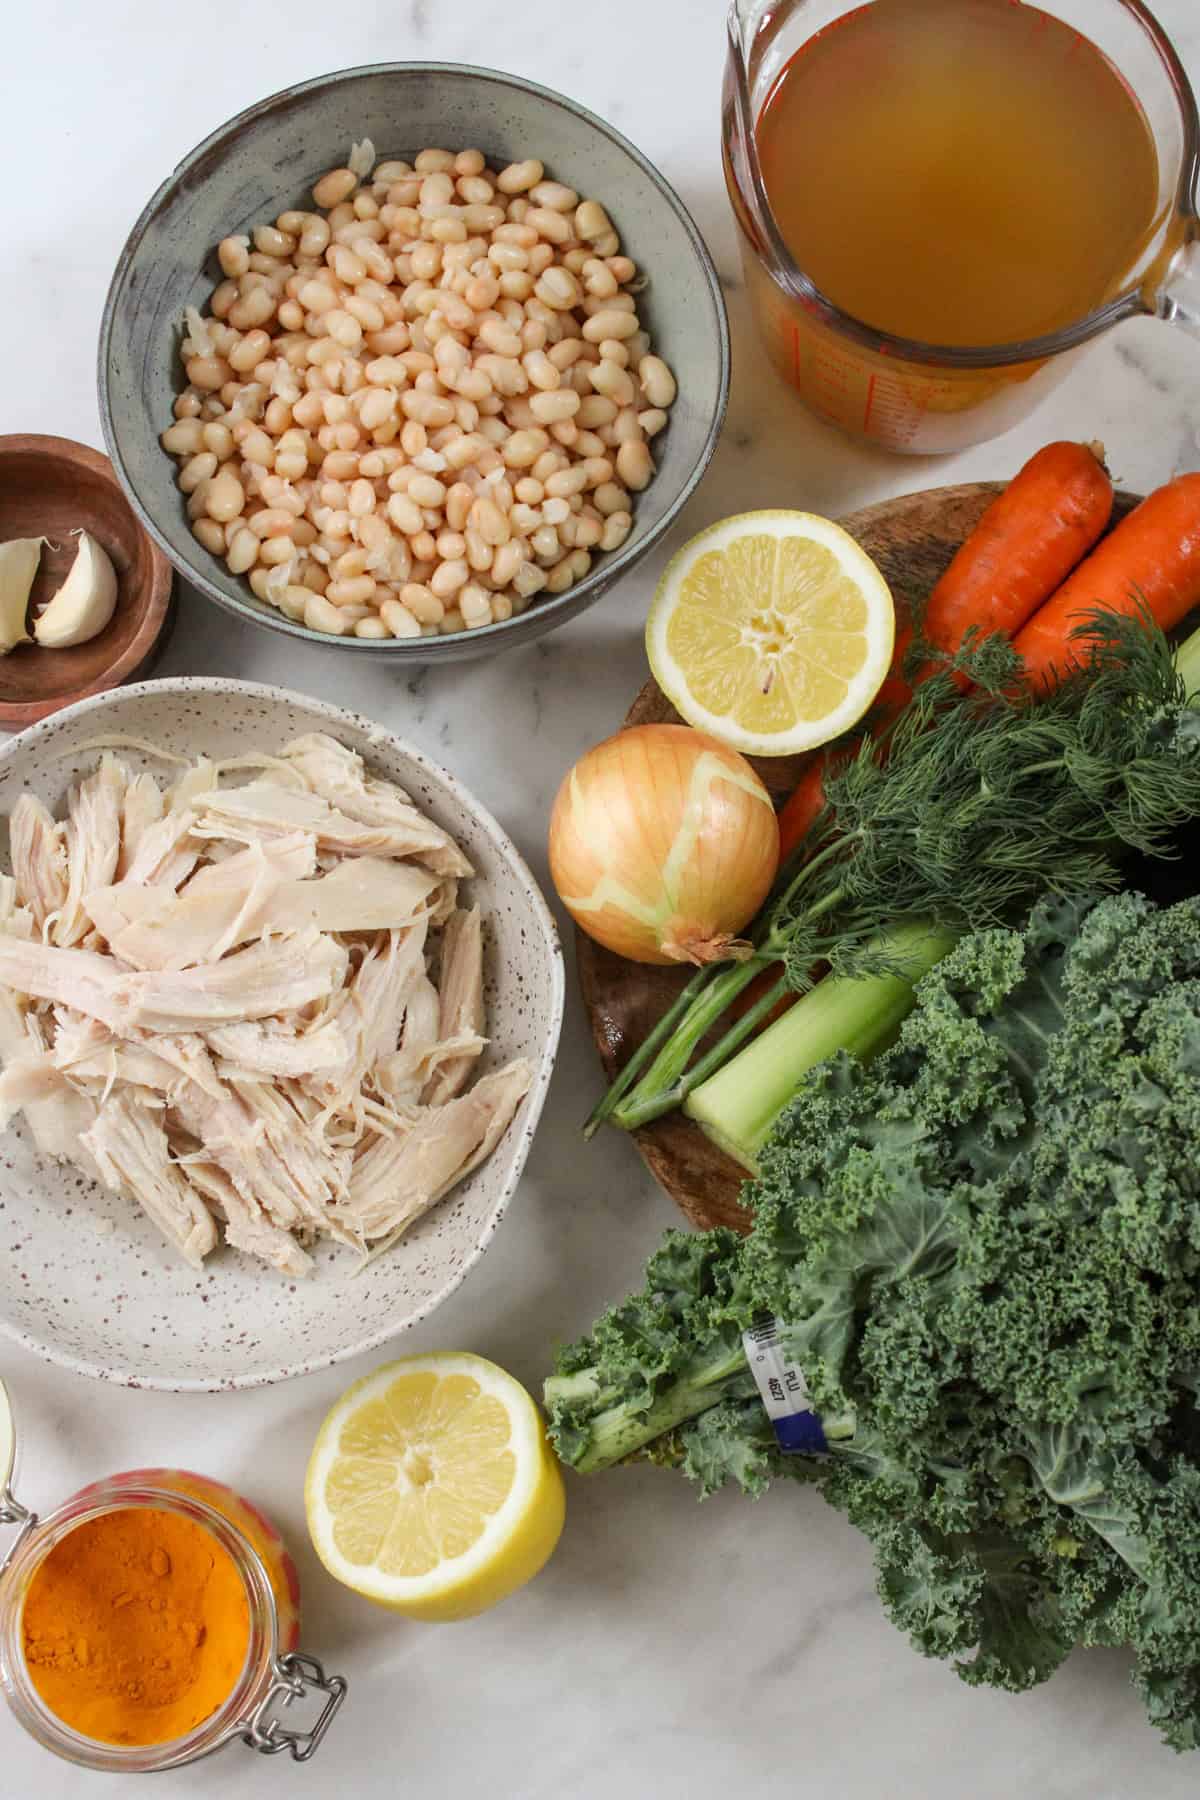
(1179, 300)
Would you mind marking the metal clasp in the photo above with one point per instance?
(11, 1510)
(13, 1513)
(295, 1676)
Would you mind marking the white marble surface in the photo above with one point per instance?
(670, 1652)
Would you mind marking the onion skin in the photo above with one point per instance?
(663, 845)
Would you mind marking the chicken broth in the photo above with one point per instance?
(963, 172)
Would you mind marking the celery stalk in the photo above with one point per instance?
(739, 1105)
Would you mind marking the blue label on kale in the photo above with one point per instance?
(784, 1391)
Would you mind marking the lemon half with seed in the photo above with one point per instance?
(432, 1489)
(773, 631)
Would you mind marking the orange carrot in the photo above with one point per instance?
(1027, 542)
(1152, 558)
(801, 808)
(1024, 546)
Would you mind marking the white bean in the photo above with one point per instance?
(321, 615)
(422, 603)
(634, 464)
(399, 621)
(225, 496)
(335, 187)
(609, 324)
(196, 469)
(657, 382)
(184, 438)
(617, 527)
(448, 578)
(519, 177)
(475, 606)
(434, 383)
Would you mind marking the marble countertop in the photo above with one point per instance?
(667, 1651)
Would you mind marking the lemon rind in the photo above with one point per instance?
(526, 1442)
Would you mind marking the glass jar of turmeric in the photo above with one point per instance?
(152, 1619)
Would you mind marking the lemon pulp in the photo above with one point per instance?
(773, 631)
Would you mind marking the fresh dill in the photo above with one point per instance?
(967, 809)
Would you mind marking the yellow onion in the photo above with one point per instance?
(663, 844)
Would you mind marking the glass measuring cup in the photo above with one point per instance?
(928, 399)
(274, 1674)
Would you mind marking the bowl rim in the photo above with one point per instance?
(16, 714)
(420, 650)
(339, 717)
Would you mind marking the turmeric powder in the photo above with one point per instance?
(136, 1626)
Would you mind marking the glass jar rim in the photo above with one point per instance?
(785, 271)
(96, 1501)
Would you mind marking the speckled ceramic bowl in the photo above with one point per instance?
(88, 1282)
(266, 160)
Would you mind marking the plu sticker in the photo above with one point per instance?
(784, 1391)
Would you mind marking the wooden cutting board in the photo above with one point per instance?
(912, 539)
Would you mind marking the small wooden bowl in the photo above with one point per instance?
(50, 487)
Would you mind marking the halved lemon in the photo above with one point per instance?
(773, 631)
(432, 1488)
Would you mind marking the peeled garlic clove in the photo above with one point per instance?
(19, 560)
(84, 603)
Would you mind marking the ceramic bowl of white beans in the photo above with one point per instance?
(419, 390)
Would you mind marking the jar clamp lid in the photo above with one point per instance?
(286, 1675)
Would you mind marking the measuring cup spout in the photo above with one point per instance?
(1179, 300)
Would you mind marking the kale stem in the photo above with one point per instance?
(620, 1430)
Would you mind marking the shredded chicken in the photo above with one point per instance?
(246, 1226)
(131, 1151)
(93, 843)
(279, 1049)
(400, 1177)
(39, 862)
(461, 1012)
(275, 975)
(15, 920)
(154, 928)
(165, 855)
(249, 1009)
(57, 1125)
(339, 776)
(141, 808)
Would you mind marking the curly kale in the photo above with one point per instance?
(984, 1253)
